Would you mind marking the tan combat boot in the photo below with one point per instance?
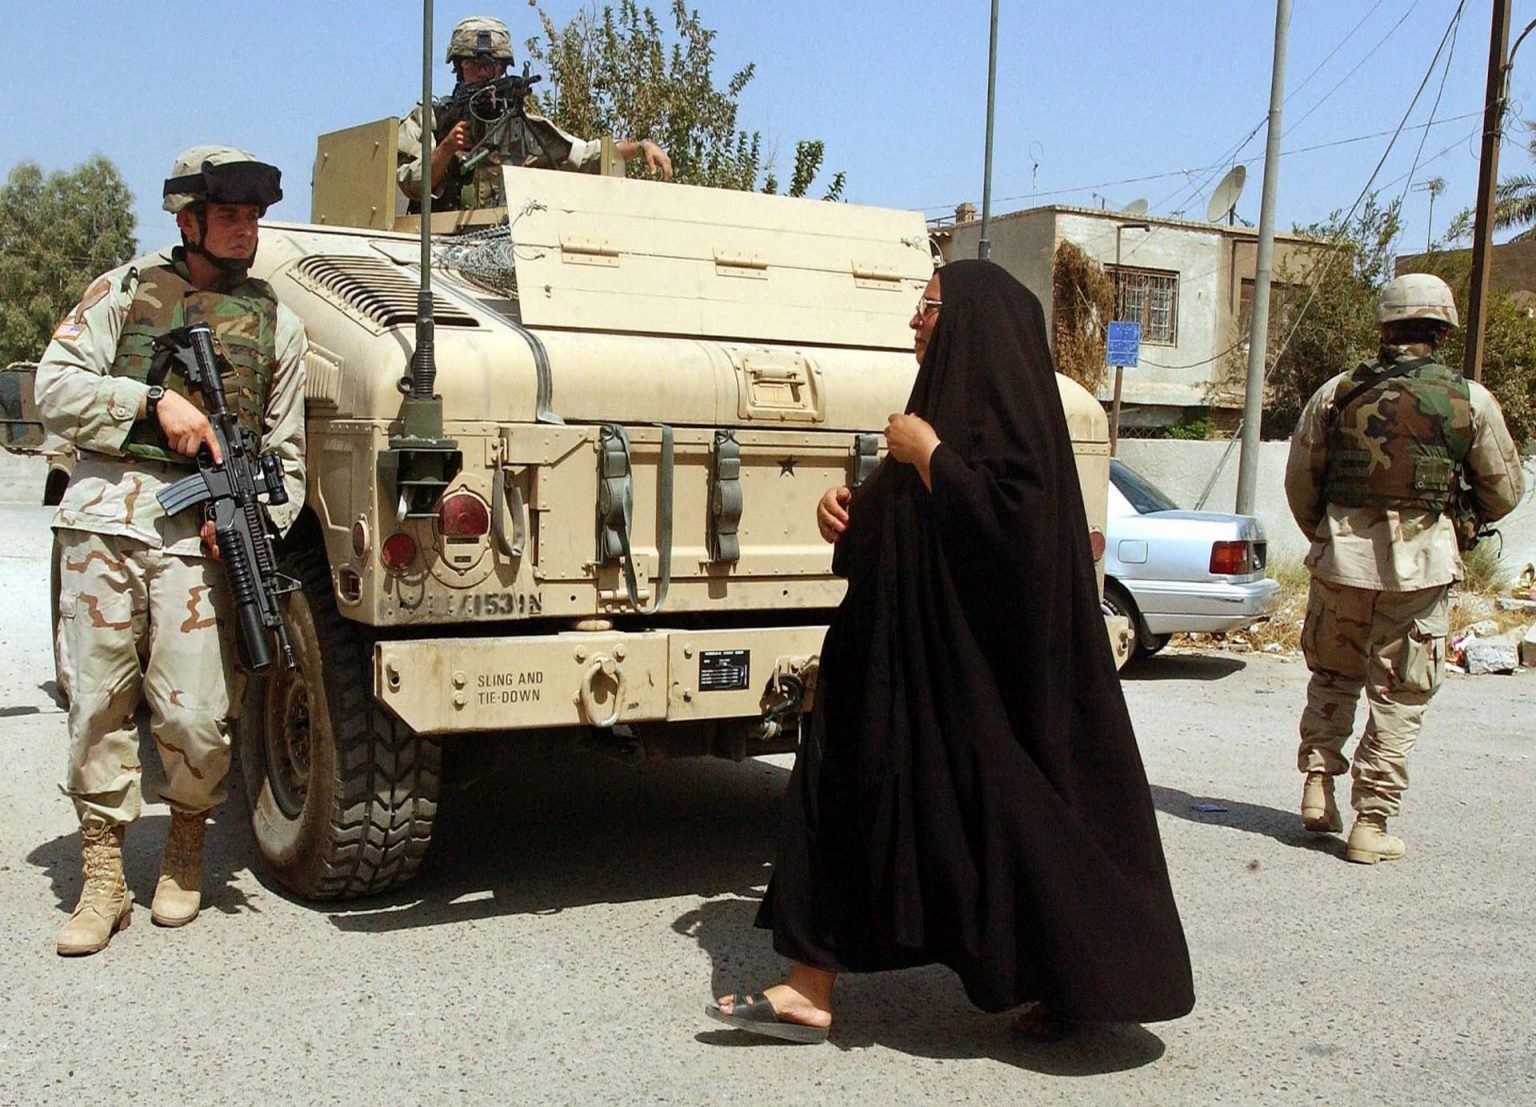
(105, 906)
(1369, 841)
(1318, 811)
(179, 893)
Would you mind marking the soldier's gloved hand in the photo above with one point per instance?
(186, 428)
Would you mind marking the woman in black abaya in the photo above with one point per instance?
(970, 792)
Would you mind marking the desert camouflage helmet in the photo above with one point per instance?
(479, 36)
(222, 174)
(1417, 296)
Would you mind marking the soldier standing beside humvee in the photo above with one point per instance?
(1375, 463)
(480, 50)
(141, 599)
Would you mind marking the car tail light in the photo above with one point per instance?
(463, 516)
(1232, 558)
(398, 551)
(1096, 542)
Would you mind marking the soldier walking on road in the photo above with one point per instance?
(141, 598)
(1376, 466)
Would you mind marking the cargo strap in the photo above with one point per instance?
(725, 499)
(866, 455)
(615, 506)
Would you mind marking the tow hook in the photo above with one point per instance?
(602, 667)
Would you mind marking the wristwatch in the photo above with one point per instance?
(152, 400)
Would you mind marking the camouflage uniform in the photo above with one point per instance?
(557, 150)
(140, 601)
(1383, 562)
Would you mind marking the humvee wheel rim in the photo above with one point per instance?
(287, 741)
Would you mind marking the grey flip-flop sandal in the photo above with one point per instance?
(759, 1017)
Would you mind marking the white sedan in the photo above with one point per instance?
(1170, 571)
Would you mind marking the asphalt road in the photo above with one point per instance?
(575, 916)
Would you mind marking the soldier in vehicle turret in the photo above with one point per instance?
(1376, 463)
(141, 596)
(489, 120)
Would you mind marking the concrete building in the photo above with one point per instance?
(1189, 284)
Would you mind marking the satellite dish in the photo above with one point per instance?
(1224, 200)
(1136, 207)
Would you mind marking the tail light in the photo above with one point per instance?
(398, 551)
(463, 515)
(1096, 542)
(1232, 558)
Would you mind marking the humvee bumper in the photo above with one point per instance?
(578, 678)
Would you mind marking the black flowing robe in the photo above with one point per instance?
(969, 791)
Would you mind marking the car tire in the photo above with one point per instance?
(342, 794)
(1117, 601)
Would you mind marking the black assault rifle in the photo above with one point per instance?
(492, 107)
(228, 491)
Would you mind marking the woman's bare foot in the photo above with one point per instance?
(788, 1006)
(805, 997)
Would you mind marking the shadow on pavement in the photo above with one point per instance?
(1283, 826)
(543, 835)
(920, 1012)
(1182, 666)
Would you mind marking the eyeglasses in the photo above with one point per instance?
(927, 304)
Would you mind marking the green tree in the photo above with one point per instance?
(613, 71)
(56, 234)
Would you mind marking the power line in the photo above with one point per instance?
(1220, 165)
(1444, 73)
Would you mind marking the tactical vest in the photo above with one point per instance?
(244, 320)
(1400, 444)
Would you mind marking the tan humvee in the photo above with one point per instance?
(710, 360)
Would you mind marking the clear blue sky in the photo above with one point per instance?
(1090, 95)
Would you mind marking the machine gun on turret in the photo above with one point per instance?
(493, 109)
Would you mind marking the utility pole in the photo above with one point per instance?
(984, 247)
(1487, 184)
(1253, 395)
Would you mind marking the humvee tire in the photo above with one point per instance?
(342, 794)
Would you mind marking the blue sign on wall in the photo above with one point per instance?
(1124, 345)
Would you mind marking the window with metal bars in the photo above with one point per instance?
(1149, 297)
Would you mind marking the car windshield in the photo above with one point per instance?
(1141, 493)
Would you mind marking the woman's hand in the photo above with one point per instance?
(911, 440)
(832, 513)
